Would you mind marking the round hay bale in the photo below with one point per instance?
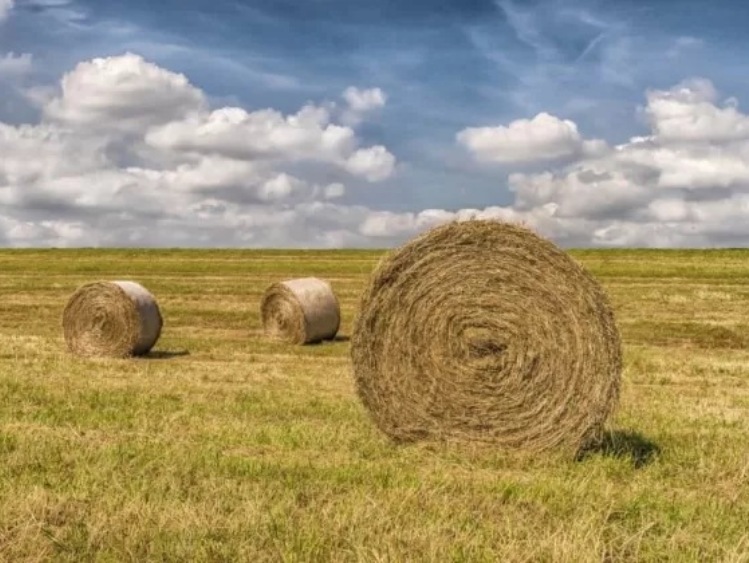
(483, 331)
(300, 311)
(111, 319)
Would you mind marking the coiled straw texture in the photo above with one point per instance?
(300, 311)
(483, 331)
(111, 319)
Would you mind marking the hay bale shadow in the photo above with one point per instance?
(624, 444)
(165, 354)
(335, 339)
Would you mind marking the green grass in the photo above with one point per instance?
(224, 447)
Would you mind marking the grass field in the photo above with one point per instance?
(224, 447)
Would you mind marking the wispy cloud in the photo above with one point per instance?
(5, 7)
(67, 13)
(591, 46)
(579, 59)
(526, 28)
(683, 45)
(15, 65)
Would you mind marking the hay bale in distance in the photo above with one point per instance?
(483, 331)
(111, 319)
(300, 311)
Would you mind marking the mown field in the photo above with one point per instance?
(221, 446)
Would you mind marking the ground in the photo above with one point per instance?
(222, 446)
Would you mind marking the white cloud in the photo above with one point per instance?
(236, 133)
(127, 152)
(5, 7)
(34, 153)
(15, 65)
(686, 184)
(544, 137)
(362, 101)
(373, 163)
(688, 112)
(393, 225)
(305, 136)
(334, 190)
(390, 225)
(282, 187)
(41, 233)
(693, 166)
(122, 94)
(585, 192)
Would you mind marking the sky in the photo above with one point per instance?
(326, 123)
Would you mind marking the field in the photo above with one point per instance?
(221, 446)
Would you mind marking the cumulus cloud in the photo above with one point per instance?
(34, 153)
(123, 93)
(688, 112)
(544, 137)
(373, 163)
(236, 133)
(360, 102)
(364, 100)
(685, 184)
(334, 190)
(40, 233)
(127, 152)
(394, 226)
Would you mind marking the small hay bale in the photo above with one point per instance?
(111, 319)
(482, 331)
(300, 311)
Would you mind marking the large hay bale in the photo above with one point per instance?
(300, 311)
(111, 319)
(483, 331)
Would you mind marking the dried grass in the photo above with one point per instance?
(483, 331)
(300, 311)
(111, 319)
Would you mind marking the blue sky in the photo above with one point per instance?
(443, 66)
